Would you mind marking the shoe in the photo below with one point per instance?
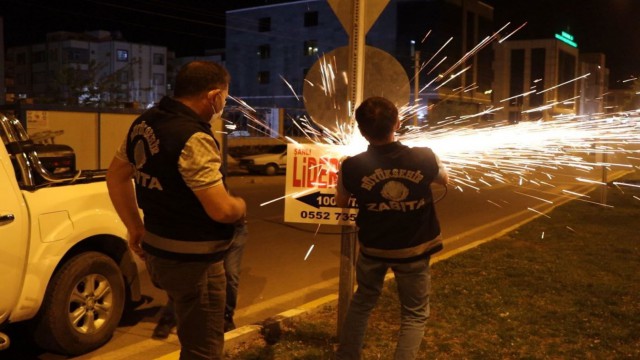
(228, 323)
(163, 328)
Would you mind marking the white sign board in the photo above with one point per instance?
(37, 121)
(310, 186)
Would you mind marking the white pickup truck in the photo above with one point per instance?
(64, 261)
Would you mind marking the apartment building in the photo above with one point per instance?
(96, 67)
(270, 48)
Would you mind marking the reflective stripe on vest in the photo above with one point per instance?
(185, 247)
(402, 253)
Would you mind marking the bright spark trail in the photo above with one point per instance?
(480, 154)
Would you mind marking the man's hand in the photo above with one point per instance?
(135, 242)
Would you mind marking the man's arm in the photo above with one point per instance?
(122, 194)
(443, 177)
(220, 206)
(199, 166)
(342, 194)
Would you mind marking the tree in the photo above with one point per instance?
(74, 85)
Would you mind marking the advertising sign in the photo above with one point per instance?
(310, 186)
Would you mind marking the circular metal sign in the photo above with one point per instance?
(325, 90)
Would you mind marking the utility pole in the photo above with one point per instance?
(357, 19)
(416, 85)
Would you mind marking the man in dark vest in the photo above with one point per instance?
(397, 226)
(189, 216)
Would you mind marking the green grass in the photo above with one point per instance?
(564, 287)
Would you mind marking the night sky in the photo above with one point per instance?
(188, 27)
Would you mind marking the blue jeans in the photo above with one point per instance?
(197, 289)
(232, 264)
(414, 283)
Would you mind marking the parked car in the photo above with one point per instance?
(66, 269)
(272, 162)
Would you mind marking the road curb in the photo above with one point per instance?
(269, 329)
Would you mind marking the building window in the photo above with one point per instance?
(39, 77)
(158, 79)
(516, 84)
(537, 76)
(39, 57)
(122, 55)
(310, 47)
(53, 55)
(123, 76)
(263, 77)
(75, 55)
(21, 59)
(311, 18)
(566, 72)
(158, 59)
(264, 51)
(264, 24)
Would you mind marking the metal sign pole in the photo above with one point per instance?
(348, 239)
(356, 20)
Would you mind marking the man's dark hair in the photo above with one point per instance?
(376, 118)
(200, 76)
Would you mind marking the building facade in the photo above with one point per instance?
(95, 67)
(594, 88)
(535, 79)
(270, 48)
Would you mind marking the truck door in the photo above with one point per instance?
(13, 237)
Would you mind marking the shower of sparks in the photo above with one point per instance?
(616, 183)
(479, 154)
(538, 212)
(309, 252)
(296, 194)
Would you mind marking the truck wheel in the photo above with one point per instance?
(4, 341)
(271, 169)
(83, 305)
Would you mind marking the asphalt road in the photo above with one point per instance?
(280, 272)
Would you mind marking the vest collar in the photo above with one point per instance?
(386, 148)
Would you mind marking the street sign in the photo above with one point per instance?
(312, 175)
(383, 76)
(344, 11)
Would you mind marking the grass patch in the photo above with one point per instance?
(567, 287)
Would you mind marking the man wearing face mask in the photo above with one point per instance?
(189, 216)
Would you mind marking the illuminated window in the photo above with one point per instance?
(122, 55)
(310, 47)
(311, 18)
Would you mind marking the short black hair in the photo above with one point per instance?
(197, 77)
(376, 118)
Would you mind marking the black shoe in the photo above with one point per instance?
(163, 329)
(228, 323)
